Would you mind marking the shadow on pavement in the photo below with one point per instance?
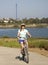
(20, 58)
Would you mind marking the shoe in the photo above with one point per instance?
(20, 55)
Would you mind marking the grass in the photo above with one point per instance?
(38, 43)
(9, 42)
(33, 43)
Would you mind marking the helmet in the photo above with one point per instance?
(22, 24)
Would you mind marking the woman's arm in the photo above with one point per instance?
(29, 34)
(18, 35)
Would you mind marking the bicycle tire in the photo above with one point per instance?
(23, 55)
(26, 55)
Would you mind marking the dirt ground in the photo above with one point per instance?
(40, 51)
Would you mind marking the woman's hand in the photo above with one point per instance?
(18, 38)
(30, 36)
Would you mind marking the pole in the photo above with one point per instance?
(16, 11)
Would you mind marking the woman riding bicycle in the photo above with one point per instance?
(22, 36)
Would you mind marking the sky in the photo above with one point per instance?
(25, 8)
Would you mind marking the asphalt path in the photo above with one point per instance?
(10, 56)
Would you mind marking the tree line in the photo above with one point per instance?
(26, 21)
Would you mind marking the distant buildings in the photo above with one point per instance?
(6, 20)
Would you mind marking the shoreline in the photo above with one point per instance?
(27, 26)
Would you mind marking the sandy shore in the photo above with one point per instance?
(29, 25)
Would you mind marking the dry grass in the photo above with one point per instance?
(40, 51)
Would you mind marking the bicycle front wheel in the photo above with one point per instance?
(26, 55)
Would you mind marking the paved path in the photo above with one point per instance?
(8, 57)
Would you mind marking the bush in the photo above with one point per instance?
(46, 47)
(41, 45)
(5, 37)
(38, 43)
(31, 46)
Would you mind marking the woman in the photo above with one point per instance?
(22, 36)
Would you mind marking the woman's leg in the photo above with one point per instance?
(22, 47)
(26, 43)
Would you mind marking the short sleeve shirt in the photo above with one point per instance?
(23, 33)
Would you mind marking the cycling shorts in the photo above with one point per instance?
(21, 41)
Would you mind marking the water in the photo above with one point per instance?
(35, 32)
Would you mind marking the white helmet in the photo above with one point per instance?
(22, 24)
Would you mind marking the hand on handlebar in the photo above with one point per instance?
(30, 36)
(18, 37)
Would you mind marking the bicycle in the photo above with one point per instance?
(25, 55)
